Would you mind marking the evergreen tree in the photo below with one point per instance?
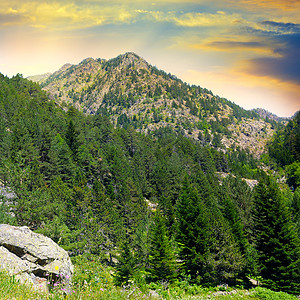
(230, 213)
(72, 138)
(241, 197)
(276, 240)
(193, 234)
(125, 267)
(162, 259)
(296, 209)
(61, 163)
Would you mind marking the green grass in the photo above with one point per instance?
(10, 289)
(92, 280)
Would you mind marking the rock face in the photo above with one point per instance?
(34, 258)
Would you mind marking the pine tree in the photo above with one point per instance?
(276, 240)
(125, 267)
(231, 214)
(162, 259)
(193, 232)
(72, 138)
(61, 163)
(296, 209)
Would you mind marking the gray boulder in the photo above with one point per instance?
(34, 258)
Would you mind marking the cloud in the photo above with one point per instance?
(206, 19)
(257, 47)
(286, 66)
(191, 19)
(7, 19)
(281, 27)
(64, 16)
(286, 5)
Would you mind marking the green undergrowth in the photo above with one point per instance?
(92, 280)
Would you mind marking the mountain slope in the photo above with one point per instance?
(132, 92)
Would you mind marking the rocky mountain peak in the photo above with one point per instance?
(131, 91)
(263, 113)
(128, 60)
(65, 67)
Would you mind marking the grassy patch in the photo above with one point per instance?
(92, 280)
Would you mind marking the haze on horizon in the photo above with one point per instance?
(246, 51)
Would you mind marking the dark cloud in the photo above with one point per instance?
(286, 67)
(236, 44)
(6, 19)
(282, 27)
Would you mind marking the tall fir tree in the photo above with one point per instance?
(125, 267)
(162, 259)
(276, 240)
(193, 232)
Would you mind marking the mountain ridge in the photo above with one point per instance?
(133, 92)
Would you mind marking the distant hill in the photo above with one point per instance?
(132, 92)
(39, 78)
(263, 113)
(285, 148)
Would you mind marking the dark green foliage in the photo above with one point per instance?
(60, 159)
(193, 232)
(276, 240)
(125, 267)
(231, 214)
(162, 258)
(241, 197)
(72, 138)
(285, 148)
(296, 210)
(293, 173)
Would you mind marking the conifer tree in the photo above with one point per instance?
(125, 267)
(72, 138)
(296, 209)
(276, 240)
(162, 259)
(61, 163)
(193, 232)
(231, 214)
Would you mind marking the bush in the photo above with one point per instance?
(266, 294)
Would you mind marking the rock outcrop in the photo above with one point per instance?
(34, 258)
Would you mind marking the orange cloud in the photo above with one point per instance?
(286, 5)
(232, 46)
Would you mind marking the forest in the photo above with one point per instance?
(149, 205)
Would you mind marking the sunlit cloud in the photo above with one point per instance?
(287, 5)
(60, 16)
(219, 18)
(234, 46)
(281, 27)
(204, 19)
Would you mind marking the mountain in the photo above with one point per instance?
(285, 147)
(39, 78)
(263, 113)
(92, 187)
(132, 92)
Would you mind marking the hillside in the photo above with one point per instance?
(132, 92)
(142, 203)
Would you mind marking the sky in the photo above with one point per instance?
(247, 51)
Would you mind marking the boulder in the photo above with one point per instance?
(34, 258)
